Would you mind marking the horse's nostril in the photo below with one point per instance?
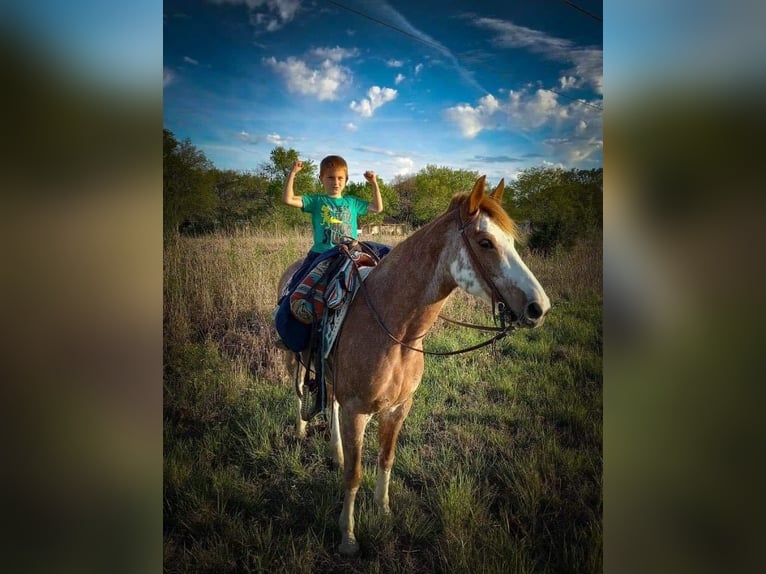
(534, 311)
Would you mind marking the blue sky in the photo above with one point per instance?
(391, 86)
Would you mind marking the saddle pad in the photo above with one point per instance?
(307, 301)
(334, 317)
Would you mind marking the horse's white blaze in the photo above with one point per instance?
(512, 267)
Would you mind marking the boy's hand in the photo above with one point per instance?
(297, 166)
(369, 176)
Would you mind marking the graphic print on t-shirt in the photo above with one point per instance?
(336, 222)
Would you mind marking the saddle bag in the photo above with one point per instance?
(307, 301)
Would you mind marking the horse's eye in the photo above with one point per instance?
(486, 244)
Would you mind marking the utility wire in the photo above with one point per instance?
(583, 10)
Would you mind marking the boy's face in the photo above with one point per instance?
(334, 180)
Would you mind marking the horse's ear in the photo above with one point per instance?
(498, 193)
(477, 194)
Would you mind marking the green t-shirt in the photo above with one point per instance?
(332, 218)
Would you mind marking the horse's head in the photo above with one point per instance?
(488, 264)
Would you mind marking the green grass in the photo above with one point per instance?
(498, 465)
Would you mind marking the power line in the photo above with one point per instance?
(583, 10)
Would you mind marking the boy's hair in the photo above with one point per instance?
(333, 162)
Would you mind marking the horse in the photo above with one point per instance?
(378, 359)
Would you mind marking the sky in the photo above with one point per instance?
(392, 86)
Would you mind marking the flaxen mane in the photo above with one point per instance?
(493, 208)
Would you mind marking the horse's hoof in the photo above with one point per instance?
(348, 548)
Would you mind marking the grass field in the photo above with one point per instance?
(498, 466)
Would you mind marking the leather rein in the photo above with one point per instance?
(499, 306)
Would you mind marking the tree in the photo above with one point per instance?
(276, 171)
(188, 193)
(560, 206)
(243, 198)
(387, 193)
(435, 186)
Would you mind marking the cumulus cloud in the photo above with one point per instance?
(404, 165)
(275, 139)
(268, 15)
(472, 120)
(376, 97)
(399, 79)
(324, 82)
(527, 110)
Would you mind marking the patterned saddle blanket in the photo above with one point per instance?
(320, 301)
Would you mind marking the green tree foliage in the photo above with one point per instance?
(387, 193)
(188, 193)
(280, 163)
(242, 198)
(434, 187)
(560, 206)
(404, 188)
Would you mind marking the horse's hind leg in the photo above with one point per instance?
(352, 433)
(390, 424)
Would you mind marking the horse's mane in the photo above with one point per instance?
(493, 209)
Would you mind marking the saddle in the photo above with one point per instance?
(323, 293)
(316, 308)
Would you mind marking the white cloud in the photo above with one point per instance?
(275, 138)
(351, 127)
(404, 165)
(168, 77)
(324, 82)
(529, 110)
(418, 69)
(472, 120)
(335, 54)
(189, 60)
(567, 82)
(270, 15)
(394, 63)
(376, 97)
(245, 137)
(399, 79)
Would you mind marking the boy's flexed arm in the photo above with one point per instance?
(288, 195)
(376, 205)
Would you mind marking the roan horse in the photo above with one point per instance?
(369, 372)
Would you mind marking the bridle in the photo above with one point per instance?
(499, 306)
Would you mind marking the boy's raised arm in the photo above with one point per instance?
(288, 195)
(376, 205)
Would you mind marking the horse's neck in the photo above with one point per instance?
(413, 282)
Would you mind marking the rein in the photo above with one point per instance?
(498, 306)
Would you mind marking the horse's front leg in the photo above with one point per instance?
(390, 423)
(352, 428)
(336, 442)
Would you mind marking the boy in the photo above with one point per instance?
(333, 216)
